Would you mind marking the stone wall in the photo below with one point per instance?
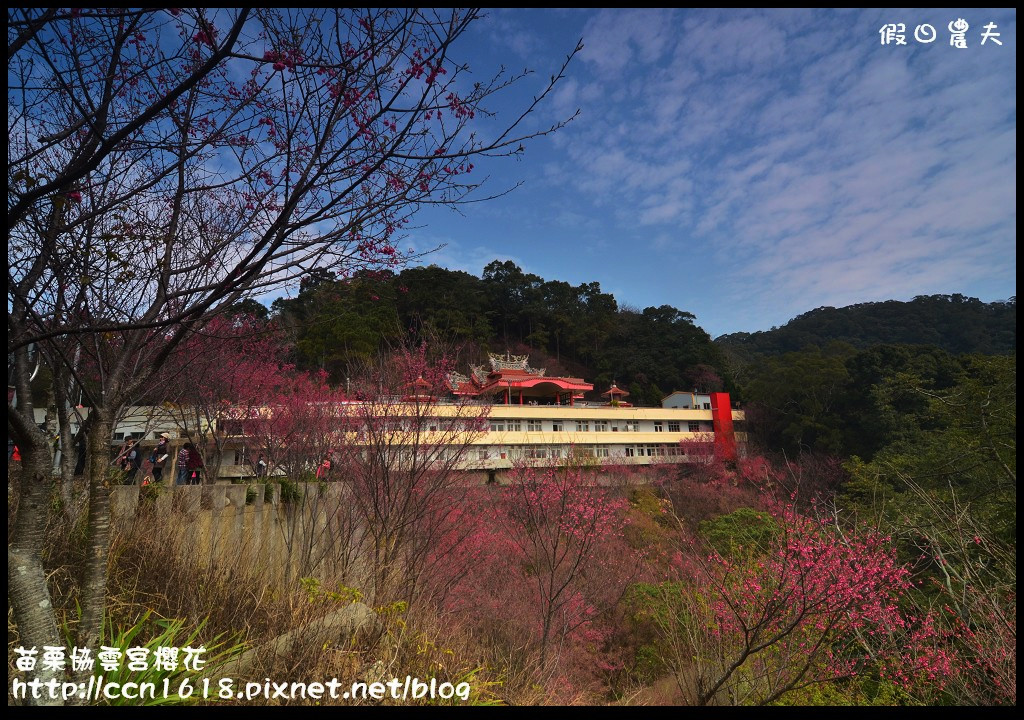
(250, 527)
(234, 526)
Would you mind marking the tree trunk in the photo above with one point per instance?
(27, 591)
(72, 505)
(94, 574)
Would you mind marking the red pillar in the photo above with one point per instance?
(721, 415)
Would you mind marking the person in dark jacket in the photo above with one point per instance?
(80, 460)
(193, 464)
(160, 456)
(130, 460)
(261, 468)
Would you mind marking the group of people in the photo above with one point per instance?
(190, 462)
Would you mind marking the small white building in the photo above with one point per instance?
(687, 400)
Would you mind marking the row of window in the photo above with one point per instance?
(543, 452)
(140, 435)
(674, 426)
(554, 452)
(238, 427)
(653, 450)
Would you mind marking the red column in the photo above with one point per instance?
(721, 415)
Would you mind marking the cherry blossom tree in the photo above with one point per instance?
(802, 605)
(220, 379)
(401, 456)
(166, 163)
(557, 519)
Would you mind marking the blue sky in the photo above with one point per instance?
(748, 166)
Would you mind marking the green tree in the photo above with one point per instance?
(947, 492)
(443, 303)
(796, 396)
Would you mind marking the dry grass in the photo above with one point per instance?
(160, 569)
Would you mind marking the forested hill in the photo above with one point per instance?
(954, 323)
(573, 330)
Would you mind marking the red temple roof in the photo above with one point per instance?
(514, 373)
(615, 390)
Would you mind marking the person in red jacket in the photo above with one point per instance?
(194, 464)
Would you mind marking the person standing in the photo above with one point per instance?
(130, 460)
(183, 471)
(323, 472)
(261, 468)
(80, 447)
(160, 455)
(193, 464)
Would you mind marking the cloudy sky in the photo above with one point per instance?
(748, 166)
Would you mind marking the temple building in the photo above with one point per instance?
(537, 418)
(512, 381)
(520, 415)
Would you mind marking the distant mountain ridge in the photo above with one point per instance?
(955, 323)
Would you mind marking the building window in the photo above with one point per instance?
(600, 426)
(557, 426)
(481, 454)
(694, 426)
(515, 425)
(497, 426)
(707, 406)
(650, 451)
(632, 426)
(582, 426)
(658, 426)
(533, 426)
(673, 426)
(601, 451)
(629, 451)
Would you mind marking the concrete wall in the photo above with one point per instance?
(215, 524)
(313, 536)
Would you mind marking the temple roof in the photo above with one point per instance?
(615, 390)
(512, 372)
(419, 389)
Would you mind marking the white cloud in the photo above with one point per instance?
(788, 154)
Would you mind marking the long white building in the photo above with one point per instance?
(520, 413)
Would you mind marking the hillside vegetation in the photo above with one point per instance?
(954, 323)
